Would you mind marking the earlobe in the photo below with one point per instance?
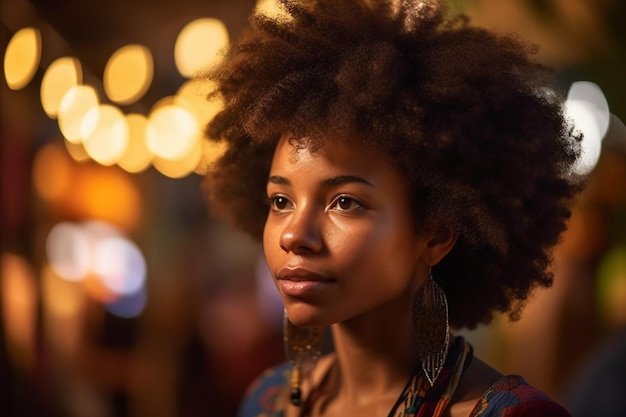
(441, 242)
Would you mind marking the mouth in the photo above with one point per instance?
(300, 274)
(299, 282)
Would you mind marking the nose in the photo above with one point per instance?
(302, 234)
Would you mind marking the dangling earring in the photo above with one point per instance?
(430, 323)
(303, 347)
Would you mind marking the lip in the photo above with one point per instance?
(299, 282)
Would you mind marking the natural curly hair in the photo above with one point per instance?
(464, 113)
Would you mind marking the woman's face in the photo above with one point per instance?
(339, 238)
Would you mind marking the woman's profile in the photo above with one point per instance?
(408, 175)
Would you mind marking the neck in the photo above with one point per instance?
(376, 354)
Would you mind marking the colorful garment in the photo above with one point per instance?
(511, 396)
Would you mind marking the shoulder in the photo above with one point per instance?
(512, 396)
(261, 396)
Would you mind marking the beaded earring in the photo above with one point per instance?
(431, 327)
(303, 347)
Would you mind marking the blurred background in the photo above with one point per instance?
(121, 296)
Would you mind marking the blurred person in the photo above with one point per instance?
(407, 173)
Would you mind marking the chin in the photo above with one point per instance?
(305, 316)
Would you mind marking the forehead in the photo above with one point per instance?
(329, 156)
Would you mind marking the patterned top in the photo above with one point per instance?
(511, 396)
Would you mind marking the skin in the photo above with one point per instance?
(343, 250)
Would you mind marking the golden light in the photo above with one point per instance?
(108, 139)
(137, 156)
(52, 172)
(128, 74)
(76, 103)
(63, 74)
(106, 194)
(76, 151)
(22, 58)
(193, 95)
(19, 307)
(270, 8)
(211, 151)
(172, 132)
(198, 45)
(179, 168)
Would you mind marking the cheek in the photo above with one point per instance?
(270, 244)
(377, 251)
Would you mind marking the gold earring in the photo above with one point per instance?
(431, 327)
(303, 347)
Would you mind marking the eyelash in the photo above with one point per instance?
(273, 202)
(351, 200)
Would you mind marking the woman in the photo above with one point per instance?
(407, 173)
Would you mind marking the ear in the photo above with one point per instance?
(440, 242)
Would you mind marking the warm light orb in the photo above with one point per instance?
(52, 172)
(198, 45)
(137, 156)
(179, 168)
(76, 103)
(172, 132)
(76, 151)
(108, 139)
(22, 58)
(587, 108)
(270, 8)
(193, 95)
(128, 74)
(63, 74)
(18, 301)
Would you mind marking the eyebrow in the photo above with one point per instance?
(328, 182)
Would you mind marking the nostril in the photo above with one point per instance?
(283, 247)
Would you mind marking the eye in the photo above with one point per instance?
(279, 203)
(345, 203)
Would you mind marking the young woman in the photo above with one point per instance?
(407, 173)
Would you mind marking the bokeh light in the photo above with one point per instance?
(63, 74)
(105, 134)
(179, 168)
(76, 151)
(119, 265)
(68, 251)
(22, 57)
(172, 131)
(52, 172)
(76, 103)
(137, 156)
(587, 108)
(128, 74)
(193, 95)
(18, 301)
(104, 193)
(270, 8)
(198, 45)
(110, 267)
